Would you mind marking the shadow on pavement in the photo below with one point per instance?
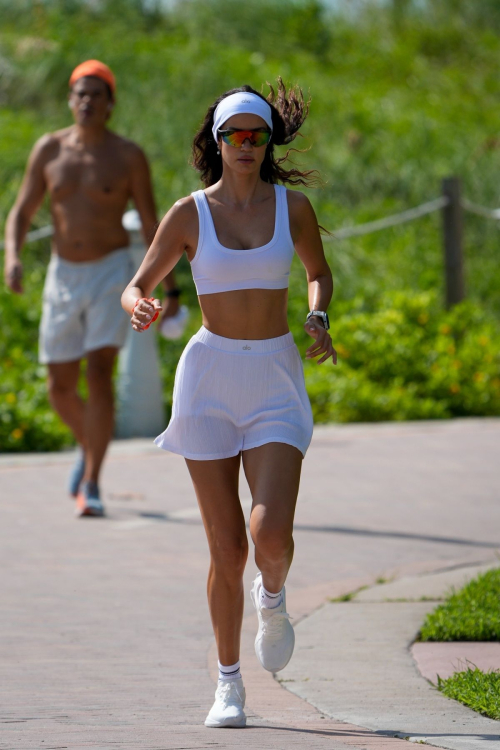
(434, 735)
(346, 530)
(320, 732)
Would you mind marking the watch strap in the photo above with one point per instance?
(322, 315)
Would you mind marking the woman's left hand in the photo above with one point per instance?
(322, 342)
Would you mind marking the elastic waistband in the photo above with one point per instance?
(244, 346)
(115, 256)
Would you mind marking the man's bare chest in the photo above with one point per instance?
(87, 176)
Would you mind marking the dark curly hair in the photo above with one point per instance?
(288, 111)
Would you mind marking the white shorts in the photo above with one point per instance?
(81, 306)
(231, 395)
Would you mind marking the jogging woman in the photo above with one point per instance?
(239, 393)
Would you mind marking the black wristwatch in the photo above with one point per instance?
(322, 315)
(172, 292)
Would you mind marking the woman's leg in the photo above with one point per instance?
(216, 486)
(273, 474)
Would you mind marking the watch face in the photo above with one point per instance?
(322, 315)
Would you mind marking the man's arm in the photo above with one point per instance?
(142, 194)
(18, 221)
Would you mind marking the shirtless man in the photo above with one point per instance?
(90, 174)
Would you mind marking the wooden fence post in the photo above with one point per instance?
(452, 242)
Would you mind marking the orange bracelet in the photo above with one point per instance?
(148, 299)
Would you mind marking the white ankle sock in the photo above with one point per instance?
(268, 600)
(229, 674)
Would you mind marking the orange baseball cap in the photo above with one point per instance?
(96, 69)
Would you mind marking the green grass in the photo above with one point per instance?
(347, 597)
(395, 92)
(475, 689)
(395, 102)
(471, 614)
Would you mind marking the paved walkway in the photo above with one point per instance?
(360, 649)
(106, 640)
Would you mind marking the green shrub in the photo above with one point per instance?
(27, 423)
(401, 358)
(404, 359)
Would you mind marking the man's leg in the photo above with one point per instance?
(64, 398)
(99, 410)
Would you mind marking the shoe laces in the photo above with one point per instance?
(272, 625)
(227, 693)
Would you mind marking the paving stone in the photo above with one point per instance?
(436, 586)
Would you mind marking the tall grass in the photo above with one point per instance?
(396, 106)
(403, 94)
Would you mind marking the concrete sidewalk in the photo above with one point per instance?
(106, 639)
(361, 648)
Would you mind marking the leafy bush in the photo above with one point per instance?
(471, 614)
(404, 358)
(400, 358)
(27, 423)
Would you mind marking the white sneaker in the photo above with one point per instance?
(275, 639)
(227, 710)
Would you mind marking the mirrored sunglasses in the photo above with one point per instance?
(237, 138)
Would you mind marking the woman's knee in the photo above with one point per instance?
(272, 543)
(229, 556)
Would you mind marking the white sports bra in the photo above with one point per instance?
(219, 269)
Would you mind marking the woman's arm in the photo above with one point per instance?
(176, 234)
(142, 194)
(309, 248)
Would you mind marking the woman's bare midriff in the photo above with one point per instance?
(246, 313)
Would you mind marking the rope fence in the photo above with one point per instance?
(390, 221)
(39, 234)
(486, 213)
(450, 203)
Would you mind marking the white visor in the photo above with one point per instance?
(239, 104)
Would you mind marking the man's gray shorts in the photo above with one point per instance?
(81, 306)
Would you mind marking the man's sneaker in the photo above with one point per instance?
(88, 502)
(76, 474)
(227, 710)
(275, 639)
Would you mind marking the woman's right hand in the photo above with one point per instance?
(144, 312)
